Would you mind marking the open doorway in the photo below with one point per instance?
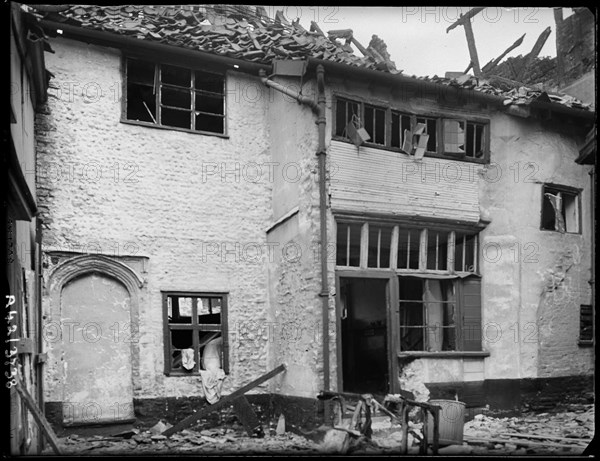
(364, 335)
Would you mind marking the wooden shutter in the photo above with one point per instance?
(470, 302)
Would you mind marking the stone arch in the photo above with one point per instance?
(79, 266)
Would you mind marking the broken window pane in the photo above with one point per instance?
(344, 112)
(380, 240)
(431, 130)
(555, 198)
(175, 97)
(175, 118)
(475, 140)
(141, 103)
(400, 124)
(348, 244)
(408, 248)
(140, 72)
(173, 75)
(211, 123)
(207, 103)
(437, 250)
(209, 314)
(205, 81)
(454, 136)
(374, 123)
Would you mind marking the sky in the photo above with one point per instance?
(416, 37)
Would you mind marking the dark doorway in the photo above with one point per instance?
(364, 335)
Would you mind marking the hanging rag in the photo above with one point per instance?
(187, 358)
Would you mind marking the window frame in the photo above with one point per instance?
(194, 327)
(563, 189)
(438, 117)
(423, 231)
(584, 342)
(158, 64)
(463, 155)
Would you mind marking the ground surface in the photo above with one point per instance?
(569, 429)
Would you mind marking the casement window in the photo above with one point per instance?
(463, 138)
(401, 124)
(446, 138)
(560, 209)
(195, 324)
(384, 246)
(438, 315)
(586, 325)
(174, 97)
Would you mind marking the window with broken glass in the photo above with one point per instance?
(195, 324)
(174, 97)
(442, 137)
(439, 307)
(560, 209)
(462, 138)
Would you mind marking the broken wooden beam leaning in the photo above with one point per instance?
(227, 400)
(537, 47)
(465, 21)
(39, 417)
(492, 64)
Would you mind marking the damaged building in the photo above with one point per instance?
(216, 183)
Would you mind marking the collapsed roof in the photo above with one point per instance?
(247, 33)
(236, 31)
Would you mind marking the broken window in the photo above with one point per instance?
(586, 324)
(173, 96)
(374, 123)
(345, 112)
(463, 138)
(439, 315)
(195, 327)
(431, 131)
(560, 209)
(401, 125)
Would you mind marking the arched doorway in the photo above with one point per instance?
(97, 336)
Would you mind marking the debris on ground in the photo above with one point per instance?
(567, 431)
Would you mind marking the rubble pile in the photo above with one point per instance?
(231, 439)
(521, 95)
(564, 432)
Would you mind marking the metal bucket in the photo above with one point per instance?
(451, 424)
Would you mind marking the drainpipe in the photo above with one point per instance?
(319, 109)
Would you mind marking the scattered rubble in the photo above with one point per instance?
(557, 433)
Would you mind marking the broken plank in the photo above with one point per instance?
(492, 64)
(247, 416)
(227, 400)
(544, 437)
(523, 443)
(39, 417)
(537, 47)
